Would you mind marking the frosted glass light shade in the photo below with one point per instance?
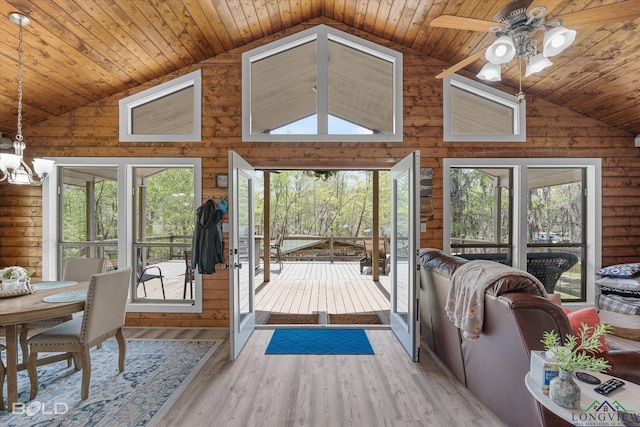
(556, 40)
(10, 161)
(490, 72)
(42, 167)
(537, 63)
(501, 51)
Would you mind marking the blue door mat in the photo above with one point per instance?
(319, 341)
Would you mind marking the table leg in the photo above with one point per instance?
(12, 365)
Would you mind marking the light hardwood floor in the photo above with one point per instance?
(386, 389)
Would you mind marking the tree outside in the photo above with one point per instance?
(337, 203)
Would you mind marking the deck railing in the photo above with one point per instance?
(320, 248)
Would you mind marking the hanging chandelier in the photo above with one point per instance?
(518, 39)
(12, 166)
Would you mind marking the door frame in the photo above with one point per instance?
(240, 329)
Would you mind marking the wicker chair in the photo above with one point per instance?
(502, 258)
(549, 266)
(545, 266)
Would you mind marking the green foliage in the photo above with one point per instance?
(76, 211)
(170, 205)
(472, 206)
(571, 355)
(340, 205)
(557, 208)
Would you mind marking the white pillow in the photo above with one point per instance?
(632, 284)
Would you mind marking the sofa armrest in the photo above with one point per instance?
(625, 364)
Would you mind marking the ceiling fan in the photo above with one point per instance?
(517, 27)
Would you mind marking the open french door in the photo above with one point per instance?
(241, 252)
(405, 240)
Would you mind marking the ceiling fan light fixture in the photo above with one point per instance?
(537, 63)
(556, 40)
(490, 72)
(501, 51)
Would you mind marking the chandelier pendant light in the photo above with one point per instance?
(12, 166)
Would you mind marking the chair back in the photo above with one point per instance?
(104, 309)
(81, 269)
(189, 270)
(279, 239)
(368, 248)
(382, 248)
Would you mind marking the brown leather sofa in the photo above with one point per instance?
(494, 365)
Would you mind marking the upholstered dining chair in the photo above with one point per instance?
(104, 314)
(76, 269)
(2, 347)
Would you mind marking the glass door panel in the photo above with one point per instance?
(88, 214)
(405, 237)
(163, 224)
(241, 252)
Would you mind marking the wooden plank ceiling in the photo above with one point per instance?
(79, 51)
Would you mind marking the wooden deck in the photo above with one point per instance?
(321, 288)
(300, 288)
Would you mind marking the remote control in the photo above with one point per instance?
(608, 387)
(587, 378)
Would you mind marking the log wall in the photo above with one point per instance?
(552, 131)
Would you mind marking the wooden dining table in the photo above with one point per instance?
(27, 308)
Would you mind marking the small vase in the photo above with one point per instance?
(564, 391)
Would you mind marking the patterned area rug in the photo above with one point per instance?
(156, 372)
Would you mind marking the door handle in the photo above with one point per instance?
(237, 265)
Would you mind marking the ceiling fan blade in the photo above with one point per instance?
(473, 58)
(609, 14)
(549, 5)
(462, 23)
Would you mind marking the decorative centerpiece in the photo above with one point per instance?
(575, 353)
(15, 281)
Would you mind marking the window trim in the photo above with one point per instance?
(126, 106)
(126, 239)
(322, 34)
(593, 208)
(491, 94)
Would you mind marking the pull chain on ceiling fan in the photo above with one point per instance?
(518, 26)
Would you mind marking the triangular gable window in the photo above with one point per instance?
(322, 85)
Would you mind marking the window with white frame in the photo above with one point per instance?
(171, 111)
(136, 212)
(476, 112)
(322, 85)
(539, 215)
